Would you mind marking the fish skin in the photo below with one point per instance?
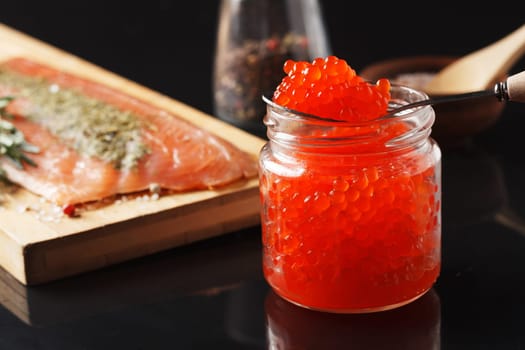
(182, 156)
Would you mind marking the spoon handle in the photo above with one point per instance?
(446, 99)
(514, 87)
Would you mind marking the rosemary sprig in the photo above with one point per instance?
(12, 141)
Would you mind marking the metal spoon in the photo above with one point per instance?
(512, 89)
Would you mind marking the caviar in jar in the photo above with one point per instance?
(351, 210)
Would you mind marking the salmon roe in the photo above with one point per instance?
(330, 88)
(351, 215)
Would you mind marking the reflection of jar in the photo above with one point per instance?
(254, 39)
(351, 215)
(413, 327)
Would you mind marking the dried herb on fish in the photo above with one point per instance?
(88, 125)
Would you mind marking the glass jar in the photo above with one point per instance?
(351, 213)
(414, 327)
(254, 39)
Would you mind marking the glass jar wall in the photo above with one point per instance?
(351, 213)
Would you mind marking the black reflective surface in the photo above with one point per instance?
(211, 294)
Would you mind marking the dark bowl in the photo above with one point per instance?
(456, 121)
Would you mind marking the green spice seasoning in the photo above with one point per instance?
(90, 126)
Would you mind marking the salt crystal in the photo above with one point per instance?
(54, 88)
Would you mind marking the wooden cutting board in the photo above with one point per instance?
(221, 265)
(35, 249)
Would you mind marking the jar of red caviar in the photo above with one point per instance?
(351, 211)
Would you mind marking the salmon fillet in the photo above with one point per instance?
(175, 154)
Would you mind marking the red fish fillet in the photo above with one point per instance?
(182, 156)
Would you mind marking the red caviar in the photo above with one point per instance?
(351, 213)
(330, 88)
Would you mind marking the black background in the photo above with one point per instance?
(165, 302)
(169, 45)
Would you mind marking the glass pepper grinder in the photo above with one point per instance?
(254, 39)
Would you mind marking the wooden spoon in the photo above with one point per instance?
(479, 69)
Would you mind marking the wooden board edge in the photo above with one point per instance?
(11, 257)
(225, 264)
(70, 255)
